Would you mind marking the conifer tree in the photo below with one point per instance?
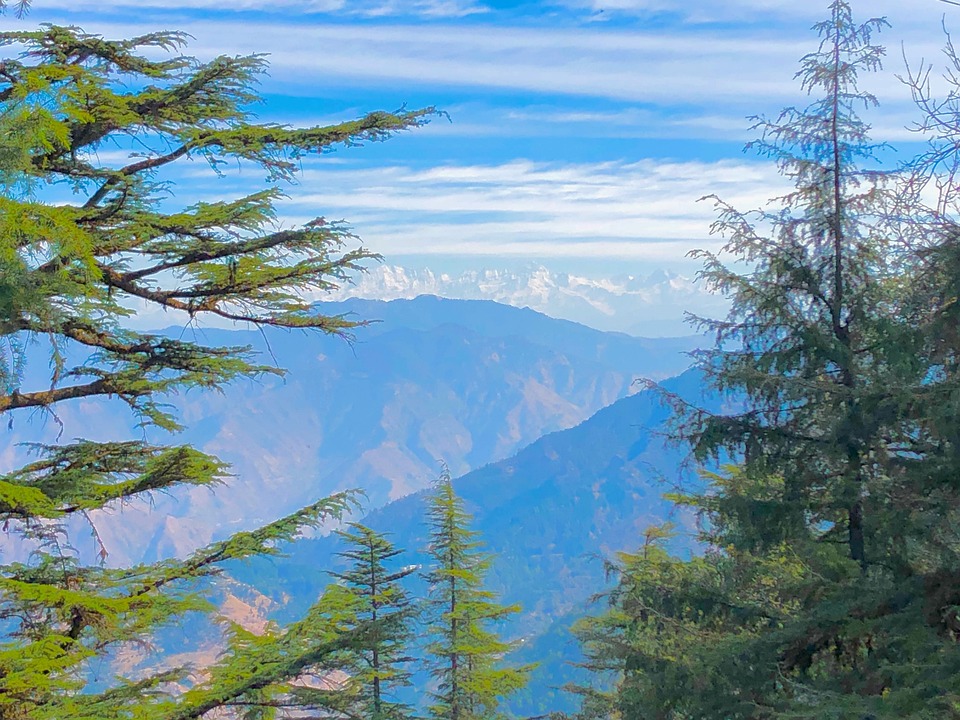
(830, 584)
(465, 653)
(383, 610)
(805, 339)
(81, 242)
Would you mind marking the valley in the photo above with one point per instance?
(465, 383)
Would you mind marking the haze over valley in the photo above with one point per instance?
(652, 305)
(432, 381)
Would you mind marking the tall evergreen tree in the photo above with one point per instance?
(82, 241)
(830, 585)
(384, 612)
(809, 339)
(465, 653)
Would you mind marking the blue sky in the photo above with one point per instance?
(581, 132)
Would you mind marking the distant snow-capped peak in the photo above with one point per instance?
(651, 304)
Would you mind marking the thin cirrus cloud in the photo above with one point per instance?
(736, 71)
(364, 8)
(478, 61)
(898, 12)
(645, 211)
(694, 11)
(701, 69)
(521, 75)
(610, 65)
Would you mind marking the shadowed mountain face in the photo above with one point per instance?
(464, 382)
(549, 514)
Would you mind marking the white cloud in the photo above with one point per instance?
(644, 210)
(692, 12)
(708, 77)
(423, 8)
(365, 8)
(900, 13)
(703, 71)
(594, 63)
(578, 119)
(617, 65)
(695, 77)
(105, 6)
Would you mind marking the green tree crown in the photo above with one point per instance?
(823, 589)
(81, 242)
(465, 654)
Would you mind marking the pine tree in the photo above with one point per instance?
(383, 616)
(927, 496)
(830, 584)
(81, 241)
(705, 637)
(465, 654)
(809, 319)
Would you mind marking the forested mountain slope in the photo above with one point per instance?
(549, 514)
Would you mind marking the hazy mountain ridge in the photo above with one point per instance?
(652, 304)
(463, 382)
(549, 514)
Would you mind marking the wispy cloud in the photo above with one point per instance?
(688, 12)
(615, 214)
(364, 8)
(699, 71)
(900, 12)
(644, 210)
(278, 6)
(687, 81)
(423, 8)
(694, 11)
(595, 63)
(579, 120)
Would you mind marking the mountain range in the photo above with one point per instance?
(466, 383)
(549, 515)
(562, 457)
(644, 305)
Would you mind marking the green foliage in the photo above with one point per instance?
(829, 588)
(465, 653)
(783, 629)
(816, 352)
(383, 617)
(81, 242)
